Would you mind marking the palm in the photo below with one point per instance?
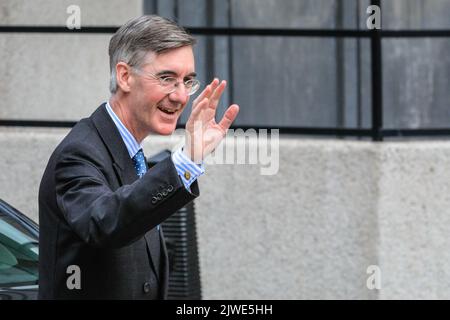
(203, 133)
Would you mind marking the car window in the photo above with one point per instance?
(18, 253)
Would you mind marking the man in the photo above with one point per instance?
(100, 207)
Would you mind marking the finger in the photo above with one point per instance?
(205, 93)
(200, 105)
(215, 97)
(214, 83)
(196, 111)
(208, 90)
(229, 117)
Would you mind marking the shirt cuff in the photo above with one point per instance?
(188, 170)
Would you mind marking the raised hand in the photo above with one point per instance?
(203, 133)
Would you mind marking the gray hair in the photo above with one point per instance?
(139, 36)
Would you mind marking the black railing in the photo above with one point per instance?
(261, 32)
(376, 132)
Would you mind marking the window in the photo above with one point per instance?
(18, 254)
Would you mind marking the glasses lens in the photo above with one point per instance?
(168, 82)
(192, 86)
(170, 85)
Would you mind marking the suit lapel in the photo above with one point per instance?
(113, 141)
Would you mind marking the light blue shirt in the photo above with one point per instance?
(186, 168)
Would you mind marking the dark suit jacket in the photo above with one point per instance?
(96, 214)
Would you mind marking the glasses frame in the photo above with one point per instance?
(170, 84)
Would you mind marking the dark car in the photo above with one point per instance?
(19, 253)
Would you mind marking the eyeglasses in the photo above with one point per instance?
(170, 84)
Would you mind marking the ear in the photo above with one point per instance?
(123, 76)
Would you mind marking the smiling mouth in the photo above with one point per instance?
(167, 111)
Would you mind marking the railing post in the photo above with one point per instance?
(377, 81)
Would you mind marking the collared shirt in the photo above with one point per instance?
(187, 169)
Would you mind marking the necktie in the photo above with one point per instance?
(139, 163)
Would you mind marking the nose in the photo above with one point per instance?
(180, 95)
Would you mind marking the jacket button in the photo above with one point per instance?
(146, 287)
(170, 188)
(154, 200)
(165, 193)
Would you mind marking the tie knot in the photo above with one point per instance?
(139, 163)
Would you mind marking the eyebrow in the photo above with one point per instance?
(173, 73)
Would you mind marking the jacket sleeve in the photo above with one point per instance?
(102, 217)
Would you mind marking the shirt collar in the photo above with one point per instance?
(130, 142)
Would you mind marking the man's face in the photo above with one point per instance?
(154, 110)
